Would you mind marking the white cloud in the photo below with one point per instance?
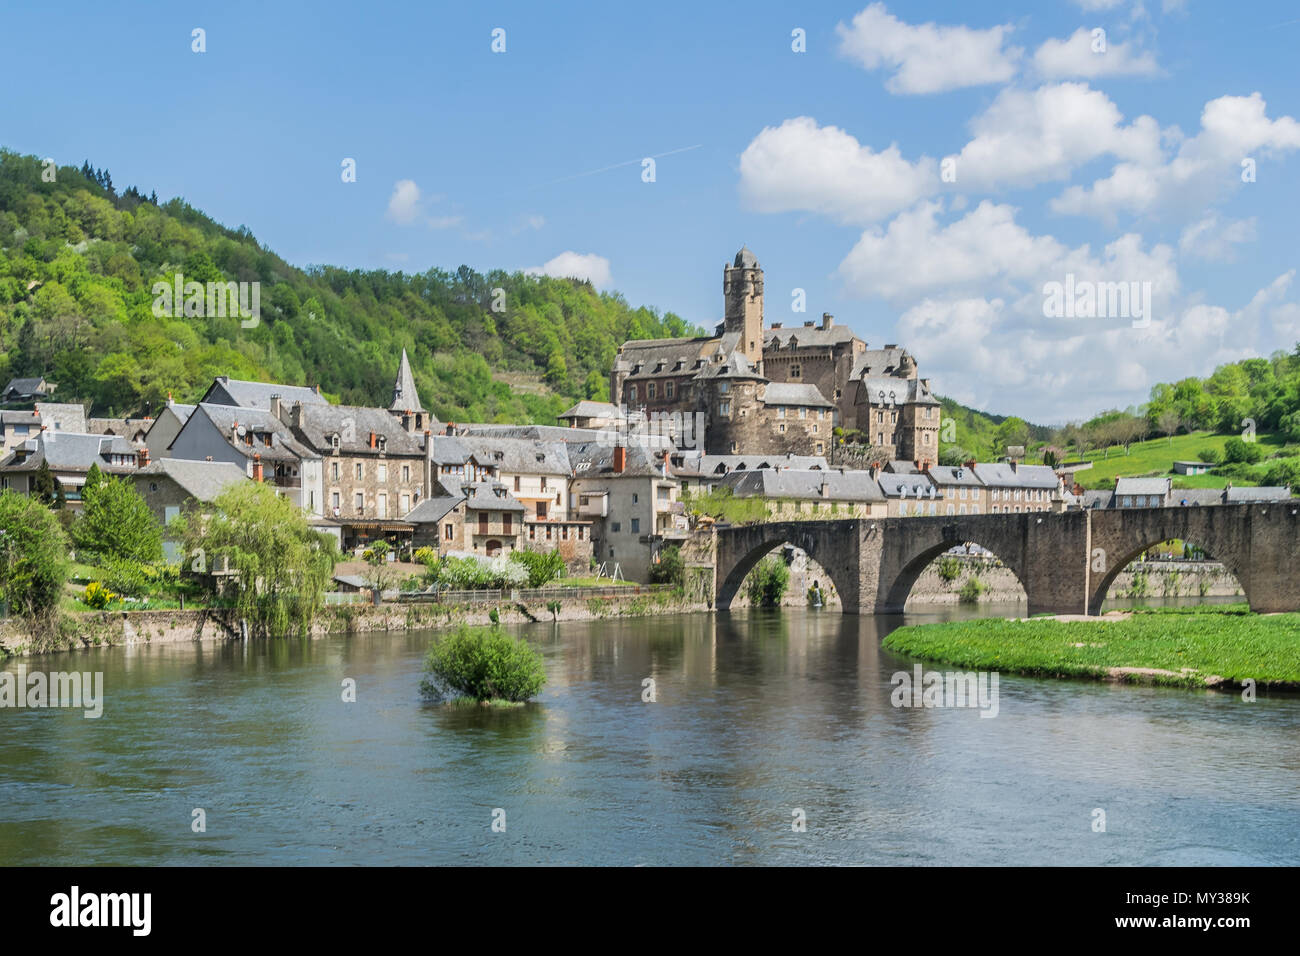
(445, 222)
(577, 265)
(802, 166)
(928, 58)
(1233, 128)
(404, 203)
(1213, 239)
(1094, 5)
(1076, 57)
(1026, 137)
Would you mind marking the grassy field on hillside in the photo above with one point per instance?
(1156, 457)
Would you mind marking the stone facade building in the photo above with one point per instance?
(745, 380)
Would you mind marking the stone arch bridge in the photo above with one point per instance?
(1065, 561)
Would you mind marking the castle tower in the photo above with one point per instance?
(742, 291)
(405, 397)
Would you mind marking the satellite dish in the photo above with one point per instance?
(240, 430)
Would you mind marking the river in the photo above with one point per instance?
(757, 715)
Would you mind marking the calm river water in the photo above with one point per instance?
(756, 715)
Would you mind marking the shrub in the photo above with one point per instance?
(670, 567)
(1211, 456)
(115, 522)
(33, 555)
(970, 591)
(1286, 472)
(97, 596)
(542, 566)
(483, 664)
(768, 581)
(949, 568)
(1237, 450)
(472, 573)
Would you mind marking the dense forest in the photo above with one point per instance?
(78, 261)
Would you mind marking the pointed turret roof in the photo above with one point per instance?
(405, 397)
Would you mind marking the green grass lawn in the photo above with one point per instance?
(1157, 456)
(1188, 649)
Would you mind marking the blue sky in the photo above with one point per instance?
(1067, 159)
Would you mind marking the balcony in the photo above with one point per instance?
(287, 481)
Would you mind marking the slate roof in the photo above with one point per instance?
(1001, 475)
(484, 496)
(201, 480)
(595, 459)
(879, 362)
(1197, 497)
(1142, 486)
(736, 366)
(284, 446)
(789, 483)
(887, 390)
(353, 424)
(745, 259)
(956, 475)
(22, 417)
(68, 451)
(785, 393)
(807, 336)
(448, 450)
(589, 409)
(521, 455)
(71, 416)
(405, 397)
(723, 464)
(433, 509)
(1235, 495)
(907, 486)
(258, 394)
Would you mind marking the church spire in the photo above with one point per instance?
(405, 398)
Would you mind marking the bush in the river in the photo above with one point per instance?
(482, 663)
(949, 568)
(970, 591)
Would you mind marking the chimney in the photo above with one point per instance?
(170, 400)
(891, 345)
(142, 458)
(874, 469)
(428, 463)
(776, 325)
(451, 428)
(372, 439)
(257, 466)
(620, 459)
(316, 389)
(969, 464)
(808, 325)
(234, 432)
(275, 405)
(828, 320)
(296, 415)
(1015, 466)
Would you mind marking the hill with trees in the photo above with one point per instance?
(78, 262)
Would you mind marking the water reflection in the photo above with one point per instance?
(756, 714)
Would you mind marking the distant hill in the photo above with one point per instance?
(78, 261)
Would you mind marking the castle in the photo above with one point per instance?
(779, 390)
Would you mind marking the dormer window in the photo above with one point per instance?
(383, 442)
(334, 441)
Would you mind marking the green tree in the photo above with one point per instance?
(670, 568)
(33, 555)
(767, 582)
(279, 565)
(116, 522)
(483, 664)
(43, 484)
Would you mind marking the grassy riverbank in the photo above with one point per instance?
(1203, 646)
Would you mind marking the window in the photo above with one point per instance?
(662, 493)
(902, 509)
(334, 471)
(668, 389)
(636, 525)
(796, 371)
(780, 411)
(635, 498)
(724, 388)
(334, 443)
(334, 501)
(543, 482)
(381, 505)
(359, 501)
(449, 531)
(650, 392)
(382, 472)
(482, 522)
(820, 448)
(949, 510)
(893, 418)
(631, 395)
(781, 427)
(617, 527)
(517, 482)
(814, 429)
(358, 471)
(405, 503)
(507, 523)
(803, 413)
(961, 493)
(724, 409)
(541, 511)
(961, 509)
(406, 473)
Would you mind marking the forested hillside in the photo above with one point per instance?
(78, 261)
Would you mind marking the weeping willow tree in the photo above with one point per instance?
(277, 565)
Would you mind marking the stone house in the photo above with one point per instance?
(158, 439)
(1013, 487)
(803, 494)
(69, 458)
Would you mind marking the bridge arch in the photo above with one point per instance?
(904, 581)
(830, 544)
